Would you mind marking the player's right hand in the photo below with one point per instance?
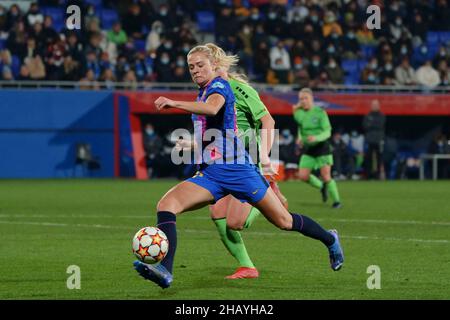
(163, 102)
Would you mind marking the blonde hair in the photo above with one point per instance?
(221, 60)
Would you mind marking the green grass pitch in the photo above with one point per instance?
(47, 225)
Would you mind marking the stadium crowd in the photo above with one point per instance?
(278, 41)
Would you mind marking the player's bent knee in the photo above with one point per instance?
(167, 204)
(234, 225)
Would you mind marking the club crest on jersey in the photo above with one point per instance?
(218, 85)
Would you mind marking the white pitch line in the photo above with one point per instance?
(206, 217)
(250, 233)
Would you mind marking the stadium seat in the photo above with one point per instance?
(350, 65)
(444, 37)
(96, 3)
(432, 38)
(2, 43)
(108, 17)
(139, 45)
(15, 65)
(57, 14)
(206, 21)
(367, 51)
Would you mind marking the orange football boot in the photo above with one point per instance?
(244, 273)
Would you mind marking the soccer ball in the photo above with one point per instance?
(150, 245)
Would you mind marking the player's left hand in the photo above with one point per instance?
(163, 102)
(311, 138)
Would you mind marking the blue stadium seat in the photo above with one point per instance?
(108, 17)
(96, 3)
(139, 45)
(432, 38)
(362, 64)
(15, 65)
(444, 37)
(57, 14)
(350, 65)
(2, 43)
(206, 21)
(351, 79)
(367, 51)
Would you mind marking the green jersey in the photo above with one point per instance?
(249, 107)
(314, 122)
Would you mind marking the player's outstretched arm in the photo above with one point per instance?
(210, 107)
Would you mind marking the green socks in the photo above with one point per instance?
(315, 182)
(333, 191)
(233, 242)
(254, 213)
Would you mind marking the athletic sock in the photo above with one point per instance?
(333, 190)
(315, 182)
(233, 242)
(167, 223)
(254, 213)
(311, 229)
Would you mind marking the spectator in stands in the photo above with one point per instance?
(322, 80)
(117, 35)
(370, 74)
(444, 73)
(226, 24)
(441, 15)
(24, 73)
(132, 22)
(71, 69)
(405, 74)
(153, 145)
(374, 126)
(334, 71)
(36, 67)
(130, 80)
(154, 37)
(91, 17)
(108, 79)
(365, 36)
(30, 50)
(261, 61)
(280, 62)
(54, 60)
(88, 82)
(34, 15)
(246, 53)
(17, 38)
(48, 31)
(315, 67)
(340, 157)
(350, 45)
(331, 25)
(427, 76)
(13, 16)
(419, 29)
(440, 145)
(165, 15)
(74, 48)
(355, 143)
(163, 68)
(442, 55)
(297, 13)
(3, 20)
(275, 24)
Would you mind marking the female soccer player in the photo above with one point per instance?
(256, 126)
(314, 131)
(225, 170)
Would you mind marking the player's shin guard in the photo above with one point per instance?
(254, 213)
(167, 223)
(315, 182)
(310, 228)
(232, 240)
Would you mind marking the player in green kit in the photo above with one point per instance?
(256, 127)
(314, 131)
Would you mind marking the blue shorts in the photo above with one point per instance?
(242, 181)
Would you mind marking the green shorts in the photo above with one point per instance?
(314, 163)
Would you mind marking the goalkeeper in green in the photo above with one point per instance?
(314, 131)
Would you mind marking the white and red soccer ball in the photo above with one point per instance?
(150, 245)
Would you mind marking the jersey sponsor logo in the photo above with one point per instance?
(218, 85)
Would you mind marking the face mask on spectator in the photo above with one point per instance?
(398, 22)
(91, 12)
(424, 50)
(255, 16)
(149, 132)
(180, 63)
(404, 50)
(373, 65)
(388, 67)
(334, 35)
(246, 30)
(314, 19)
(163, 12)
(331, 50)
(443, 53)
(332, 65)
(272, 15)
(351, 35)
(165, 60)
(371, 77)
(298, 66)
(158, 29)
(316, 63)
(168, 45)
